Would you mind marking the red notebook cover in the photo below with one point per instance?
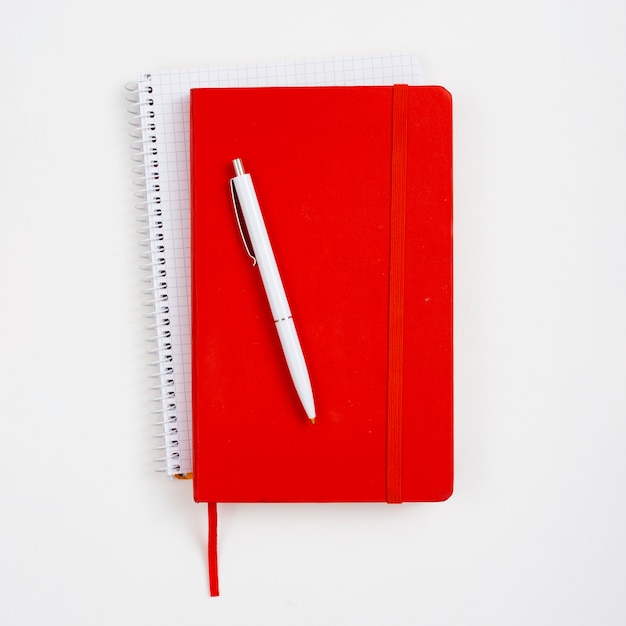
(355, 186)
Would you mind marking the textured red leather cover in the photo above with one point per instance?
(320, 159)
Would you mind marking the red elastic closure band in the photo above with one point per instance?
(396, 292)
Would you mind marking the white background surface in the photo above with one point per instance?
(534, 533)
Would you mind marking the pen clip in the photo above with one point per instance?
(241, 223)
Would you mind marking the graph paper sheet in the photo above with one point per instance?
(167, 103)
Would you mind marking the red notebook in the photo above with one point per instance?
(355, 186)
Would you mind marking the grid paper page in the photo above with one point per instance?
(170, 92)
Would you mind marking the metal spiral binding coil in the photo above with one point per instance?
(145, 157)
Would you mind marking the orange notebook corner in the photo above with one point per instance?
(355, 186)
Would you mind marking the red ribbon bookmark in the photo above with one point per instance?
(213, 578)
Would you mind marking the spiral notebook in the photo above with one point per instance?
(160, 144)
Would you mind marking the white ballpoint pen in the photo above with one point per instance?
(246, 204)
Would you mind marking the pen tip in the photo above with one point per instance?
(312, 420)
